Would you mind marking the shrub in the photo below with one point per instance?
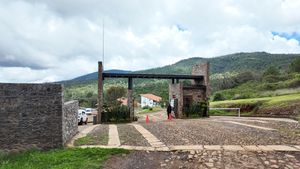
(218, 97)
(198, 109)
(113, 94)
(150, 108)
(146, 107)
(239, 96)
(269, 86)
(295, 65)
(294, 83)
(116, 114)
(274, 78)
(271, 71)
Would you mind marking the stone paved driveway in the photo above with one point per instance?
(205, 159)
(215, 142)
(208, 132)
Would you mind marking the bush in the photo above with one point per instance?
(295, 65)
(150, 108)
(113, 93)
(271, 71)
(196, 109)
(116, 114)
(239, 96)
(218, 97)
(274, 78)
(294, 83)
(146, 107)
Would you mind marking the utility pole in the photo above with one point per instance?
(103, 42)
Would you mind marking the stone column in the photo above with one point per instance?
(130, 103)
(202, 69)
(176, 92)
(100, 92)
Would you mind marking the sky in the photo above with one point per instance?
(53, 40)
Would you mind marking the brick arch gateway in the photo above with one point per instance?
(199, 90)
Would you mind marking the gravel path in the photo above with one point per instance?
(206, 132)
(130, 136)
(204, 159)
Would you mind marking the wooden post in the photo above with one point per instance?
(100, 92)
(130, 103)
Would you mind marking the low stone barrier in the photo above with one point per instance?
(70, 121)
(34, 116)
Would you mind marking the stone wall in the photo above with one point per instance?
(70, 121)
(197, 94)
(199, 91)
(31, 116)
(175, 92)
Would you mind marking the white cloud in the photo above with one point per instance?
(51, 40)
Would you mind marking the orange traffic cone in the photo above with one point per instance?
(147, 119)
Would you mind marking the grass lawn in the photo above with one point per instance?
(99, 136)
(154, 109)
(283, 100)
(71, 158)
(91, 140)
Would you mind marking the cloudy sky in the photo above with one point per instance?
(51, 40)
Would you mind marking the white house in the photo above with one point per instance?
(149, 100)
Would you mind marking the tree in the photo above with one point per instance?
(272, 74)
(113, 94)
(271, 71)
(89, 94)
(295, 66)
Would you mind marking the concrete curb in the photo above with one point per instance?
(205, 147)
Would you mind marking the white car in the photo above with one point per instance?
(88, 111)
(82, 117)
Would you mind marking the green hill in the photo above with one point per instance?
(257, 62)
(238, 62)
(225, 74)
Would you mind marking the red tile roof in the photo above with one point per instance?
(152, 97)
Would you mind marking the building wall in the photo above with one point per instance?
(199, 90)
(147, 102)
(197, 95)
(31, 116)
(70, 120)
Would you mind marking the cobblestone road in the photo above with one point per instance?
(205, 159)
(216, 142)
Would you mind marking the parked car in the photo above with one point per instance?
(82, 117)
(88, 111)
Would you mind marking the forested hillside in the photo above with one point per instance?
(256, 62)
(226, 72)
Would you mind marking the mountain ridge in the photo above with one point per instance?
(237, 62)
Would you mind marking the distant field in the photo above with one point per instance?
(281, 106)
